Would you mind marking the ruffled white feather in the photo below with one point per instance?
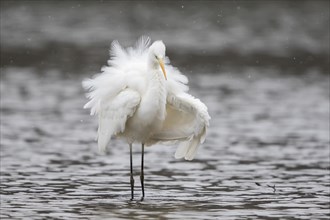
(115, 96)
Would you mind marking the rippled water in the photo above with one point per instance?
(266, 154)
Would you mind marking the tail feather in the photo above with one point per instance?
(191, 152)
(182, 149)
(188, 149)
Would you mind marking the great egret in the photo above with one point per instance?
(137, 100)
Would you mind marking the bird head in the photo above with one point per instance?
(157, 55)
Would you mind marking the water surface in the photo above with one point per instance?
(266, 155)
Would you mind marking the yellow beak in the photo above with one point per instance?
(161, 63)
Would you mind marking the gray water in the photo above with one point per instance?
(261, 67)
(266, 154)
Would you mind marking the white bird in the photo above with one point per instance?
(137, 100)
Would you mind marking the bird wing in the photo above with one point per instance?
(186, 121)
(123, 70)
(114, 114)
(103, 87)
(114, 94)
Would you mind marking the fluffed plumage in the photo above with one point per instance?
(134, 101)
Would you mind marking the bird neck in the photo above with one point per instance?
(155, 71)
(156, 78)
(156, 94)
(153, 65)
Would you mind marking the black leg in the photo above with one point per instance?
(131, 179)
(142, 172)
